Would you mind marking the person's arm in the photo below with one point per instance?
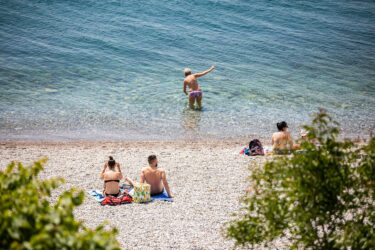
(205, 72)
(272, 142)
(102, 174)
(184, 88)
(165, 183)
(119, 171)
(142, 177)
(130, 181)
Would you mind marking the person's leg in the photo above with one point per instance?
(199, 100)
(191, 101)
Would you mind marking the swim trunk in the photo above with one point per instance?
(195, 93)
(158, 193)
(114, 195)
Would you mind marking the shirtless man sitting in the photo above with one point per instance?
(195, 92)
(154, 176)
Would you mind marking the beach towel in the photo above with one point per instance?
(115, 201)
(245, 150)
(162, 197)
(99, 197)
(267, 149)
(97, 194)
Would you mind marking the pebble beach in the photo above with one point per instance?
(207, 178)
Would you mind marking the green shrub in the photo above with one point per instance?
(320, 198)
(28, 221)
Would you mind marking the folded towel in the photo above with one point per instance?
(267, 149)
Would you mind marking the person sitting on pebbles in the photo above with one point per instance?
(304, 137)
(155, 177)
(281, 139)
(112, 178)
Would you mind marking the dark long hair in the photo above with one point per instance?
(111, 162)
(281, 125)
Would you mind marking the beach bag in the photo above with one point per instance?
(142, 193)
(255, 148)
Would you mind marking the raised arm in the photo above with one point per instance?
(205, 72)
(102, 174)
(130, 181)
(165, 183)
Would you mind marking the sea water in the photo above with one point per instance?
(113, 69)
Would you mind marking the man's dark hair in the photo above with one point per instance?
(281, 125)
(151, 159)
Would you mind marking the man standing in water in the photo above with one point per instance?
(195, 92)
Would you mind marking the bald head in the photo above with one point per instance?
(187, 71)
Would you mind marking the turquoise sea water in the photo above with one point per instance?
(113, 69)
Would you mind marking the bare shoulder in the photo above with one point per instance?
(161, 171)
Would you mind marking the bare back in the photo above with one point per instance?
(111, 186)
(192, 83)
(280, 140)
(153, 177)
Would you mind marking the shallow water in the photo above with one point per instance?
(84, 70)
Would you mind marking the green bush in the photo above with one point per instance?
(28, 221)
(319, 198)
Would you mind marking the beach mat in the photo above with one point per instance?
(97, 194)
(99, 197)
(162, 197)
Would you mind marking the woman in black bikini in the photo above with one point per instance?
(111, 178)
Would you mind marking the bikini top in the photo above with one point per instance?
(111, 180)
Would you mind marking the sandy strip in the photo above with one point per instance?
(207, 179)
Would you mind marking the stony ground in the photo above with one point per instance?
(207, 180)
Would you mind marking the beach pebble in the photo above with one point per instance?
(207, 179)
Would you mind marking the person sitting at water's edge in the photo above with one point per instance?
(282, 141)
(155, 177)
(112, 178)
(195, 92)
